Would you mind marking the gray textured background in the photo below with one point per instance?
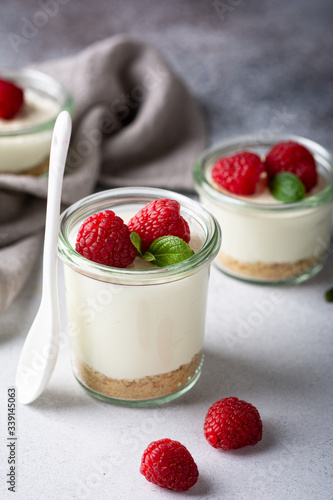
(255, 66)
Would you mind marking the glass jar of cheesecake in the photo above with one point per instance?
(137, 333)
(26, 126)
(269, 238)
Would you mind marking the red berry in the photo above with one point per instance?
(159, 218)
(11, 99)
(104, 238)
(232, 423)
(292, 157)
(170, 465)
(239, 173)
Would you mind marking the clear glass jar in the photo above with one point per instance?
(265, 242)
(25, 140)
(137, 334)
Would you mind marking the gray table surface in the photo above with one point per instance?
(259, 67)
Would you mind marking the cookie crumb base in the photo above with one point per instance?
(264, 271)
(36, 170)
(151, 387)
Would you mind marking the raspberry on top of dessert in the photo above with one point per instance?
(11, 99)
(104, 238)
(245, 173)
(292, 157)
(159, 218)
(158, 233)
(239, 173)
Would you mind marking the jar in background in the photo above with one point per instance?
(25, 139)
(265, 241)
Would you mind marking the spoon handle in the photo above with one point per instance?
(40, 350)
(59, 149)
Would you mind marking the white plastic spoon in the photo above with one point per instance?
(40, 350)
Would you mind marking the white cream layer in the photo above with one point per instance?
(25, 151)
(253, 235)
(128, 332)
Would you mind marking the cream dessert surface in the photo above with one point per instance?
(133, 332)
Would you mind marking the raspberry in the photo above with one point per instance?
(11, 99)
(169, 464)
(232, 423)
(239, 173)
(159, 218)
(292, 157)
(104, 238)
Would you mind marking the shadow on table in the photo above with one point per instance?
(56, 399)
(224, 376)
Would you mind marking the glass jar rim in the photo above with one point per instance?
(51, 86)
(229, 146)
(103, 200)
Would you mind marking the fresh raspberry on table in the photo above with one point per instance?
(159, 218)
(11, 99)
(104, 238)
(232, 423)
(239, 173)
(292, 157)
(169, 464)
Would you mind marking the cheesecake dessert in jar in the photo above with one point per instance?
(30, 102)
(137, 332)
(267, 239)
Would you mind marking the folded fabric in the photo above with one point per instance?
(134, 123)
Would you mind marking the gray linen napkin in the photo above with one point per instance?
(134, 124)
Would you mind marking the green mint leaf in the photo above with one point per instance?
(287, 187)
(147, 256)
(169, 250)
(136, 241)
(329, 295)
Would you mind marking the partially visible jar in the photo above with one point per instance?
(25, 139)
(137, 333)
(265, 241)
